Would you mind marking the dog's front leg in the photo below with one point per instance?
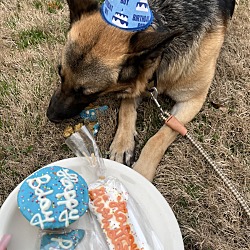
(122, 147)
(155, 148)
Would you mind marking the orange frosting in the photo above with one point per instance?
(121, 237)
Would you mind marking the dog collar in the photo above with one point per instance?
(131, 15)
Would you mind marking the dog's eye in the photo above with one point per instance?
(79, 90)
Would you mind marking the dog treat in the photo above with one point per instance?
(91, 113)
(110, 207)
(67, 241)
(90, 116)
(68, 131)
(78, 126)
(53, 197)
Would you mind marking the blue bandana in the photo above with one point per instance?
(131, 15)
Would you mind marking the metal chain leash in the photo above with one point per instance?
(172, 122)
(228, 183)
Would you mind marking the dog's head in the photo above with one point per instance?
(99, 58)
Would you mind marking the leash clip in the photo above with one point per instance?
(169, 119)
(154, 94)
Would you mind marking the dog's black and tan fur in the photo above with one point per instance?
(181, 46)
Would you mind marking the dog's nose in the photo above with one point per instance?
(57, 112)
(51, 117)
(51, 114)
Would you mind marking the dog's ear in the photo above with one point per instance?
(79, 7)
(144, 49)
(151, 41)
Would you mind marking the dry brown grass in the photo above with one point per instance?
(208, 214)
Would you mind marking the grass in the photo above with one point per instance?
(32, 37)
(53, 6)
(4, 88)
(37, 4)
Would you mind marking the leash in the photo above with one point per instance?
(172, 122)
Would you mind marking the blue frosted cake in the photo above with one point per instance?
(53, 197)
(62, 241)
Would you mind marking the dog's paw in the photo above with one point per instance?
(122, 149)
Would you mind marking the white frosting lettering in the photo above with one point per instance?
(64, 173)
(67, 184)
(37, 220)
(39, 181)
(69, 195)
(73, 214)
(45, 205)
(64, 244)
(44, 202)
(65, 216)
(70, 201)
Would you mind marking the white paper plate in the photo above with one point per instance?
(152, 202)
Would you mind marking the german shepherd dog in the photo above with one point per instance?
(180, 47)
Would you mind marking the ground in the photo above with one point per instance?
(32, 36)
